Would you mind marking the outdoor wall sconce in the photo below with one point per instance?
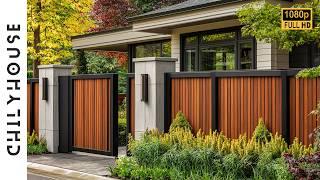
(144, 91)
(45, 89)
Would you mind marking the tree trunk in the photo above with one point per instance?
(36, 41)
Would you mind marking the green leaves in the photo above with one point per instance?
(263, 21)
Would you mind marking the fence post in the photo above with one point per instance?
(32, 123)
(285, 106)
(114, 114)
(167, 101)
(214, 101)
(65, 114)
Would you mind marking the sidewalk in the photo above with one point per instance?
(84, 163)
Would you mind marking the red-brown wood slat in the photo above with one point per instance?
(304, 96)
(35, 107)
(192, 96)
(246, 99)
(92, 114)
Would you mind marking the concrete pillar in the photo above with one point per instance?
(269, 56)
(150, 115)
(49, 109)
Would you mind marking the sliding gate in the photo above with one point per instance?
(89, 114)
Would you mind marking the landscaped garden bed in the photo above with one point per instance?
(180, 154)
(36, 145)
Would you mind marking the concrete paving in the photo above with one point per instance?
(78, 161)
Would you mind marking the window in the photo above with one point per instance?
(217, 50)
(153, 49)
(305, 56)
(150, 49)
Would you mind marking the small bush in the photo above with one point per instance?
(29, 74)
(316, 131)
(309, 73)
(122, 124)
(180, 121)
(35, 144)
(261, 133)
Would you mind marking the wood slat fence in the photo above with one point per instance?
(130, 104)
(89, 113)
(232, 102)
(33, 105)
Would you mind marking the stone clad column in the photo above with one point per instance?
(49, 109)
(150, 114)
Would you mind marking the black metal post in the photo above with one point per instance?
(214, 101)
(167, 102)
(114, 114)
(285, 106)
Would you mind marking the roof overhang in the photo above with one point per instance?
(166, 22)
(114, 40)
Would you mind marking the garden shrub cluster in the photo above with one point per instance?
(36, 145)
(180, 154)
(309, 73)
(122, 124)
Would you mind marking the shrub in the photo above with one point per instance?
(180, 154)
(29, 74)
(180, 121)
(122, 124)
(261, 133)
(124, 167)
(35, 144)
(309, 73)
(316, 132)
(307, 167)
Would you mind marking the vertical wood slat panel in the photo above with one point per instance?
(304, 96)
(242, 104)
(92, 114)
(35, 106)
(132, 106)
(192, 96)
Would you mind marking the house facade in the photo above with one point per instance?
(203, 35)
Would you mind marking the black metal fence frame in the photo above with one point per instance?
(66, 113)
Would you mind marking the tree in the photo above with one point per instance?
(263, 21)
(111, 14)
(51, 25)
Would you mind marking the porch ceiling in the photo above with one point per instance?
(114, 40)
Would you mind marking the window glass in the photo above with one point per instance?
(190, 60)
(218, 37)
(148, 50)
(192, 40)
(246, 56)
(153, 50)
(166, 49)
(218, 58)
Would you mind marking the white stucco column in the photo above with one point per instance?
(49, 109)
(150, 114)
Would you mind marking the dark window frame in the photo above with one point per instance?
(132, 51)
(199, 44)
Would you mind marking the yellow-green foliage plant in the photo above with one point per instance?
(180, 121)
(297, 149)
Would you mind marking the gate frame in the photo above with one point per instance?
(32, 82)
(66, 113)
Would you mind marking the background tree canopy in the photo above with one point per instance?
(51, 25)
(263, 21)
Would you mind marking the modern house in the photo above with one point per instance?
(203, 35)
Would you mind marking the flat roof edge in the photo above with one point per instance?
(187, 9)
(102, 32)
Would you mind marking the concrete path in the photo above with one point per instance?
(77, 161)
